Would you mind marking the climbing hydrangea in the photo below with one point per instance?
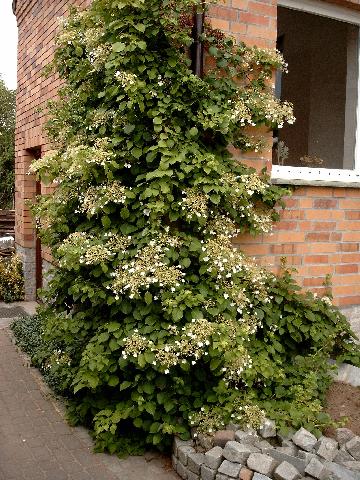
(163, 323)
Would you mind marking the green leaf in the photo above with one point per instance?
(138, 423)
(105, 220)
(142, 45)
(119, 47)
(124, 385)
(169, 405)
(148, 388)
(113, 381)
(140, 27)
(113, 345)
(150, 407)
(193, 131)
(148, 298)
(103, 337)
(129, 128)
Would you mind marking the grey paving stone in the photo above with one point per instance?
(343, 435)
(286, 471)
(205, 441)
(297, 462)
(354, 465)
(268, 429)
(183, 452)
(247, 437)
(304, 439)
(182, 471)
(261, 463)
(180, 443)
(222, 437)
(192, 476)
(327, 448)
(231, 469)
(316, 469)
(213, 458)
(353, 447)
(194, 462)
(343, 456)
(263, 445)
(236, 452)
(339, 472)
(207, 473)
(259, 476)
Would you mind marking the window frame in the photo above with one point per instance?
(282, 174)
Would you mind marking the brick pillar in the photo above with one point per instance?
(25, 238)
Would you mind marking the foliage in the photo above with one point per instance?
(7, 142)
(11, 279)
(46, 356)
(158, 315)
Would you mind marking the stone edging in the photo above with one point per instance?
(265, 455)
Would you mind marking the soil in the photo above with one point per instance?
(343, 400)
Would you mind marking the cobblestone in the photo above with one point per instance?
(37, 444)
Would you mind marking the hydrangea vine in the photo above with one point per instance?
(161, 319)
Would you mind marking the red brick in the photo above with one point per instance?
(325, 203)
(317, 237)
(315, 259)
(344, 269)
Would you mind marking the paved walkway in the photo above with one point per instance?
(37, 444)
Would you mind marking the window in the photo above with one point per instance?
(320, 42)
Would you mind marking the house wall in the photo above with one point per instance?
(37, 24)
(320, 230)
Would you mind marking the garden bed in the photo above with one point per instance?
(343, 400)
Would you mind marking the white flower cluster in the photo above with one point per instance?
(100, 253)
(228, 263)
(253, 184)
(80, 157)
(75, 162)
(93, 36)
(126, 79)
(327, 300)
(261, 220)
(194, 204)
(269, 107)
(248, 415)
(192, 344)
(255, 56)
(147, 268)
(45, 163)
(207, 421)
(221, 225)
(241, 112)
(58, 357)
(88, 250)
(135, 344)
(95, 198)
(247, 184)
(233, 371)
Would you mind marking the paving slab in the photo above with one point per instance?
(10, 311)
(37, 444)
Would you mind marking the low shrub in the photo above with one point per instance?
(11, 279)
(48, 357)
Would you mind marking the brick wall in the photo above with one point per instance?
(319, 233)
(37, 24)
(320, 230)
